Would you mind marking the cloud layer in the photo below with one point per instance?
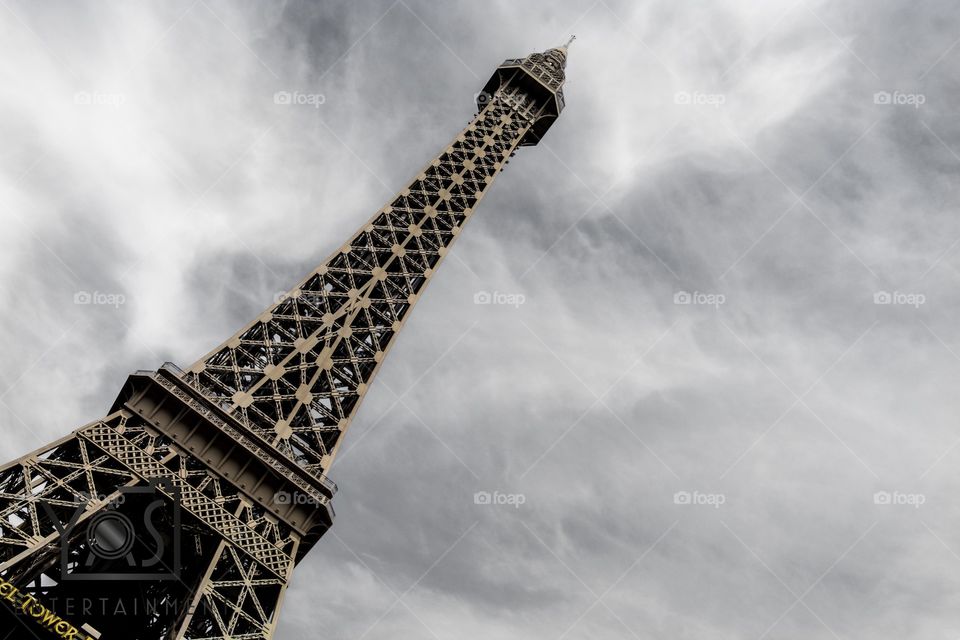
(727, 402)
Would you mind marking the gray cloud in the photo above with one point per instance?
(598, 399)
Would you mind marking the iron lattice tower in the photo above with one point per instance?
(192, 501)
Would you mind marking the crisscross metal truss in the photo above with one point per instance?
(69, 473)
(163, 463)
(237, 600)
(297, 373)
(244, 556)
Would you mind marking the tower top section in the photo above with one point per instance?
(557, 57)
(539, 77)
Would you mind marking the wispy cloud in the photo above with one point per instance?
(724, 237)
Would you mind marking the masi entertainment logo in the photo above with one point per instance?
(133, 534)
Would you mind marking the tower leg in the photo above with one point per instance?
(203, 561)
(235, 599)
(40, 494)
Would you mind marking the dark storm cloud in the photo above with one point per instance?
(723, 149)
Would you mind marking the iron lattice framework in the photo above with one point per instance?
(222, 449)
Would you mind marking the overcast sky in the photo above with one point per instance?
(775, 459)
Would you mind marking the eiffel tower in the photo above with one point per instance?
(183, 512)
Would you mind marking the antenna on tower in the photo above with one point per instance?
(570, 41)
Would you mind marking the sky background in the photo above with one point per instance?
(737, 152)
